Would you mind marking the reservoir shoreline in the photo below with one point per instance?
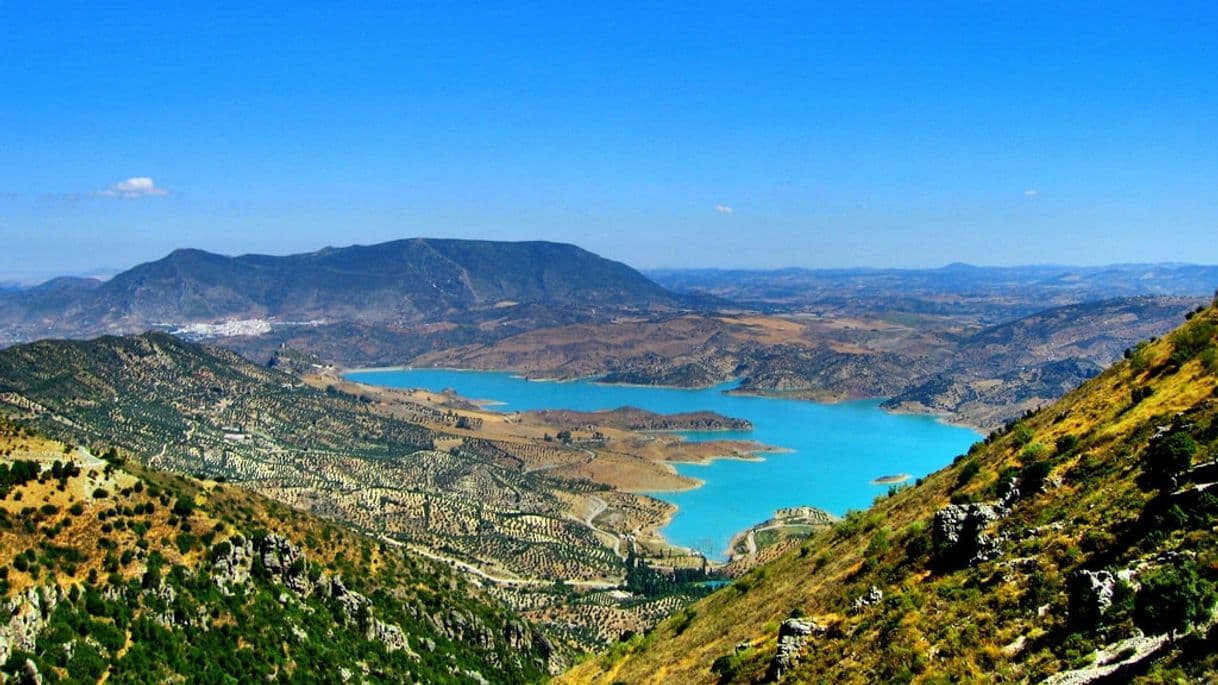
(830, 456)
(942, 417)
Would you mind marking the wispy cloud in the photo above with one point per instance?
(134, 188)
(723, 209)
(1031, 192)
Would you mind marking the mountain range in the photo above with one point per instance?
(984, 294)
(936, 340)
(396, 283)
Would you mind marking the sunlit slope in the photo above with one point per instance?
(978, 572)
(110, 571)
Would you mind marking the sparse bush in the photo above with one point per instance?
(728, 666)
(1066, 444)
(1032, 477)
(1139, 357)
(967, 473)
(1022, 434)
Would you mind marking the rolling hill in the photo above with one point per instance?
(540, 522)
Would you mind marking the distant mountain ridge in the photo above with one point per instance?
(991, 293)
(400, 282)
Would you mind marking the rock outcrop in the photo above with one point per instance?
(793, 637)
(273, 557)
(1091, 594)
(959, 534)
(873, 596)
(27, 614)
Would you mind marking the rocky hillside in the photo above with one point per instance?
(111, 571)
(192, 409)
(982, 376)
(1075, 545)
(406, 281)
(1004, 370)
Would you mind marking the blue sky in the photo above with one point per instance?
(753, 135)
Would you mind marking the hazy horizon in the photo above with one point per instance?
(105, 273)
(728, 137)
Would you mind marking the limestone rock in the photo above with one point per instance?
(793, 636)
(873, 596)
(1091, 594)
(959, 537)
(27, 614)
(387, 634)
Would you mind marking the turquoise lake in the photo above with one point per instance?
(836, 450)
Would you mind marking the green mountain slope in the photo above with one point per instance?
(1077, 544)
(118, 572)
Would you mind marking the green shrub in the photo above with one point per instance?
(1168, 456)
(1066, 444)
(728, 666)
(1022, 434)
(967, 473)
(1191, 340)
(183, 507)
(1173, 599)
(1033, 452)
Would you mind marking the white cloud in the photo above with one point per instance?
(723, 209)
(1031, 192)
(134, 188)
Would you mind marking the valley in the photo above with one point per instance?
(643, 451)
(470, 488)
(587, 343)
(1074, 545)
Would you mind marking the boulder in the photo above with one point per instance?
(873, 596)
(959, 537)
(793, 636)
(1091, 594)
